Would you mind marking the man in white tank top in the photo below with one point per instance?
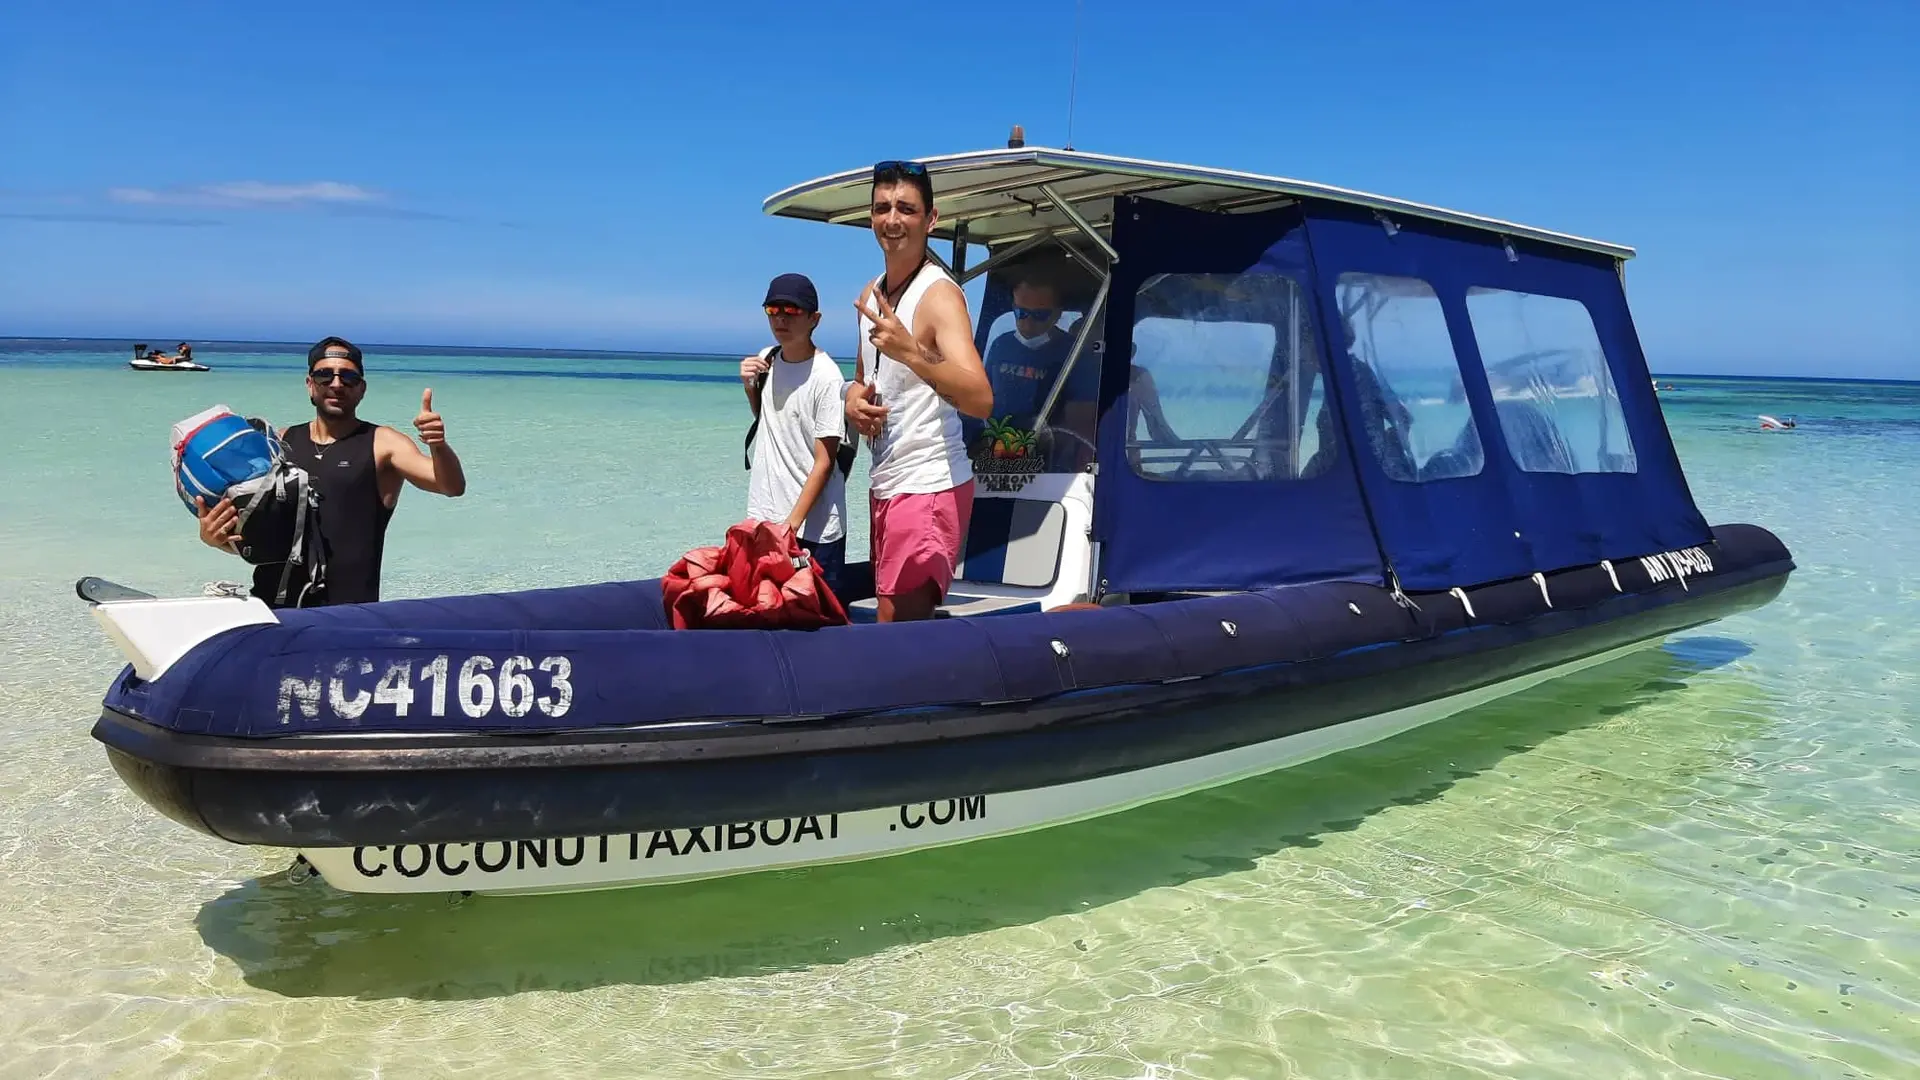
(918, 371)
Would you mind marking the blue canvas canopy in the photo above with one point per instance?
(1553, 453)
(1241, 479)
(1477, 408)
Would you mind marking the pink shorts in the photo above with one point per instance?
(917, 539)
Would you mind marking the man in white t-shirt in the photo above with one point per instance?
(794, 389)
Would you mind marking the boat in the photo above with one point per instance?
(1354, 464)
(144, 364)
(155, 361)
(1770, 423)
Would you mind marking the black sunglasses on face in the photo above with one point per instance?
(347, 376)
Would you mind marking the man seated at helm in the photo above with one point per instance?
(1023, 363)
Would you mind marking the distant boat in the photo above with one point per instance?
(154, 361)
(1768, 423)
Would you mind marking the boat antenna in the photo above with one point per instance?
(1073, 79)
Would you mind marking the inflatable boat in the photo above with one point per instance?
(1349, 465)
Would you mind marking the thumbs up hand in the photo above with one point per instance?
(432, 430)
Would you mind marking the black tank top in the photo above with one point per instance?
(353, 519)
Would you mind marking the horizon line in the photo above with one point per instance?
(373, 345)
(728, 355)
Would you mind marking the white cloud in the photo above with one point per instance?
(327, 191)
(251, 193)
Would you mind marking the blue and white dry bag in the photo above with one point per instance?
(218, 454)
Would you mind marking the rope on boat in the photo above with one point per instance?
(1461, 595)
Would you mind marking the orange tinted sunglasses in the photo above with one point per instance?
(785, 309)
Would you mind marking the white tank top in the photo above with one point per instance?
(921, 449)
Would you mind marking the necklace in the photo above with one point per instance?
(319, 448)
(893, 294)
(893, 299)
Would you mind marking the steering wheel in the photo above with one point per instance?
(1074, 435)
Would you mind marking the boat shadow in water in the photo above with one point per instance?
(311, 940)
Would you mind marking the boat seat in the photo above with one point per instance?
(1009, 542)
(1013, 542)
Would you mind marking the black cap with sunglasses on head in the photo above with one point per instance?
(335, 348)
(793, 289)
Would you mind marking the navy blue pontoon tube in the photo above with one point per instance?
(1500, 408)
(1222, 460)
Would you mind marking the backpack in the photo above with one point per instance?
(849, 441)
(217, 454)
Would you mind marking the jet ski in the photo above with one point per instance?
(156, 361)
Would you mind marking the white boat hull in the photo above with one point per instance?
(143, 364)
(578, 864)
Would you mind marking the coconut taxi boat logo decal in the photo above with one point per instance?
(1005, 458)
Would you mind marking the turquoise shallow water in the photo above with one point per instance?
(1699, 861)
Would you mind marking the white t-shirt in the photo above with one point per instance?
(800, 403)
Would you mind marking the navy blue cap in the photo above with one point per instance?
(793, 289)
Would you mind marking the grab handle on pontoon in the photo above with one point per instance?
(95, 590)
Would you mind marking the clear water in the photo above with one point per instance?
(1699, 861)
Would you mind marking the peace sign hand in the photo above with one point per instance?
(433, 431)
(889, 335)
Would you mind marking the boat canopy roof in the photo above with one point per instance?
(1008, 195)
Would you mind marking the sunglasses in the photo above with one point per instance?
(786, 309)
(346, 376)
(1032, 313)
(904, 168)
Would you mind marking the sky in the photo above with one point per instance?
(590, 175)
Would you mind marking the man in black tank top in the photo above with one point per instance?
(358, 469)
